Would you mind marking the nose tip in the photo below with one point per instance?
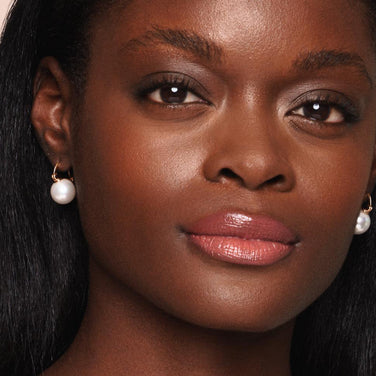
(257, 165)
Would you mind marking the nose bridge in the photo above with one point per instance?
(251, 132)
(250, 146)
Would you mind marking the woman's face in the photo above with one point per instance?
(210, 136)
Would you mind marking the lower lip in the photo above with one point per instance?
(242, 251)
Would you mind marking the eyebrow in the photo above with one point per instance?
(185, 40)
(312, 61)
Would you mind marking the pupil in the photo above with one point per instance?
(173, 94)
(317, 111)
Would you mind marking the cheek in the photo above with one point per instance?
(331, 184)
(132, 183)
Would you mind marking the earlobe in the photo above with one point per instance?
(52, 111)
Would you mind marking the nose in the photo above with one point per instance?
(251, 153)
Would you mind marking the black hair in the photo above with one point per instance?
(43, 254)
(43, 260)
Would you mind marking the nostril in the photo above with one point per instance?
(228, 173)
(276, 180)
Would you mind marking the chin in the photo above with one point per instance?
(231, 315)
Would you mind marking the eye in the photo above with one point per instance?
(173, 94)
(320, 111)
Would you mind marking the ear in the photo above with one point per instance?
(52, 112)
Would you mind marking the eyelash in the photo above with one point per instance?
(168, 79)
(333, 100)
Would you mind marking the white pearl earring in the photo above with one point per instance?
(363, 221)
(62, 191)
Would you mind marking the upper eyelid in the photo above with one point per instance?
(187, 87)
(331, 97)
(172, 77)
(191, 85)
(329, 103)
(349, 116)
(180, 104)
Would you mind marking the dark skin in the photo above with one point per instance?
(243, 139)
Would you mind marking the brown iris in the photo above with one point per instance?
(317, 111)
(173, 94)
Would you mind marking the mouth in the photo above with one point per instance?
(244, 239)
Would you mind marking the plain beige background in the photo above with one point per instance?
(4, 6)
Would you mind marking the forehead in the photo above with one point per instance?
(244, 16)
(253, 29)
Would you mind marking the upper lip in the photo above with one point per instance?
(243, 225)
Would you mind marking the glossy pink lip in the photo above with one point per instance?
(242, 238)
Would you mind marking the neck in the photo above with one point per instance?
(124, 334)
